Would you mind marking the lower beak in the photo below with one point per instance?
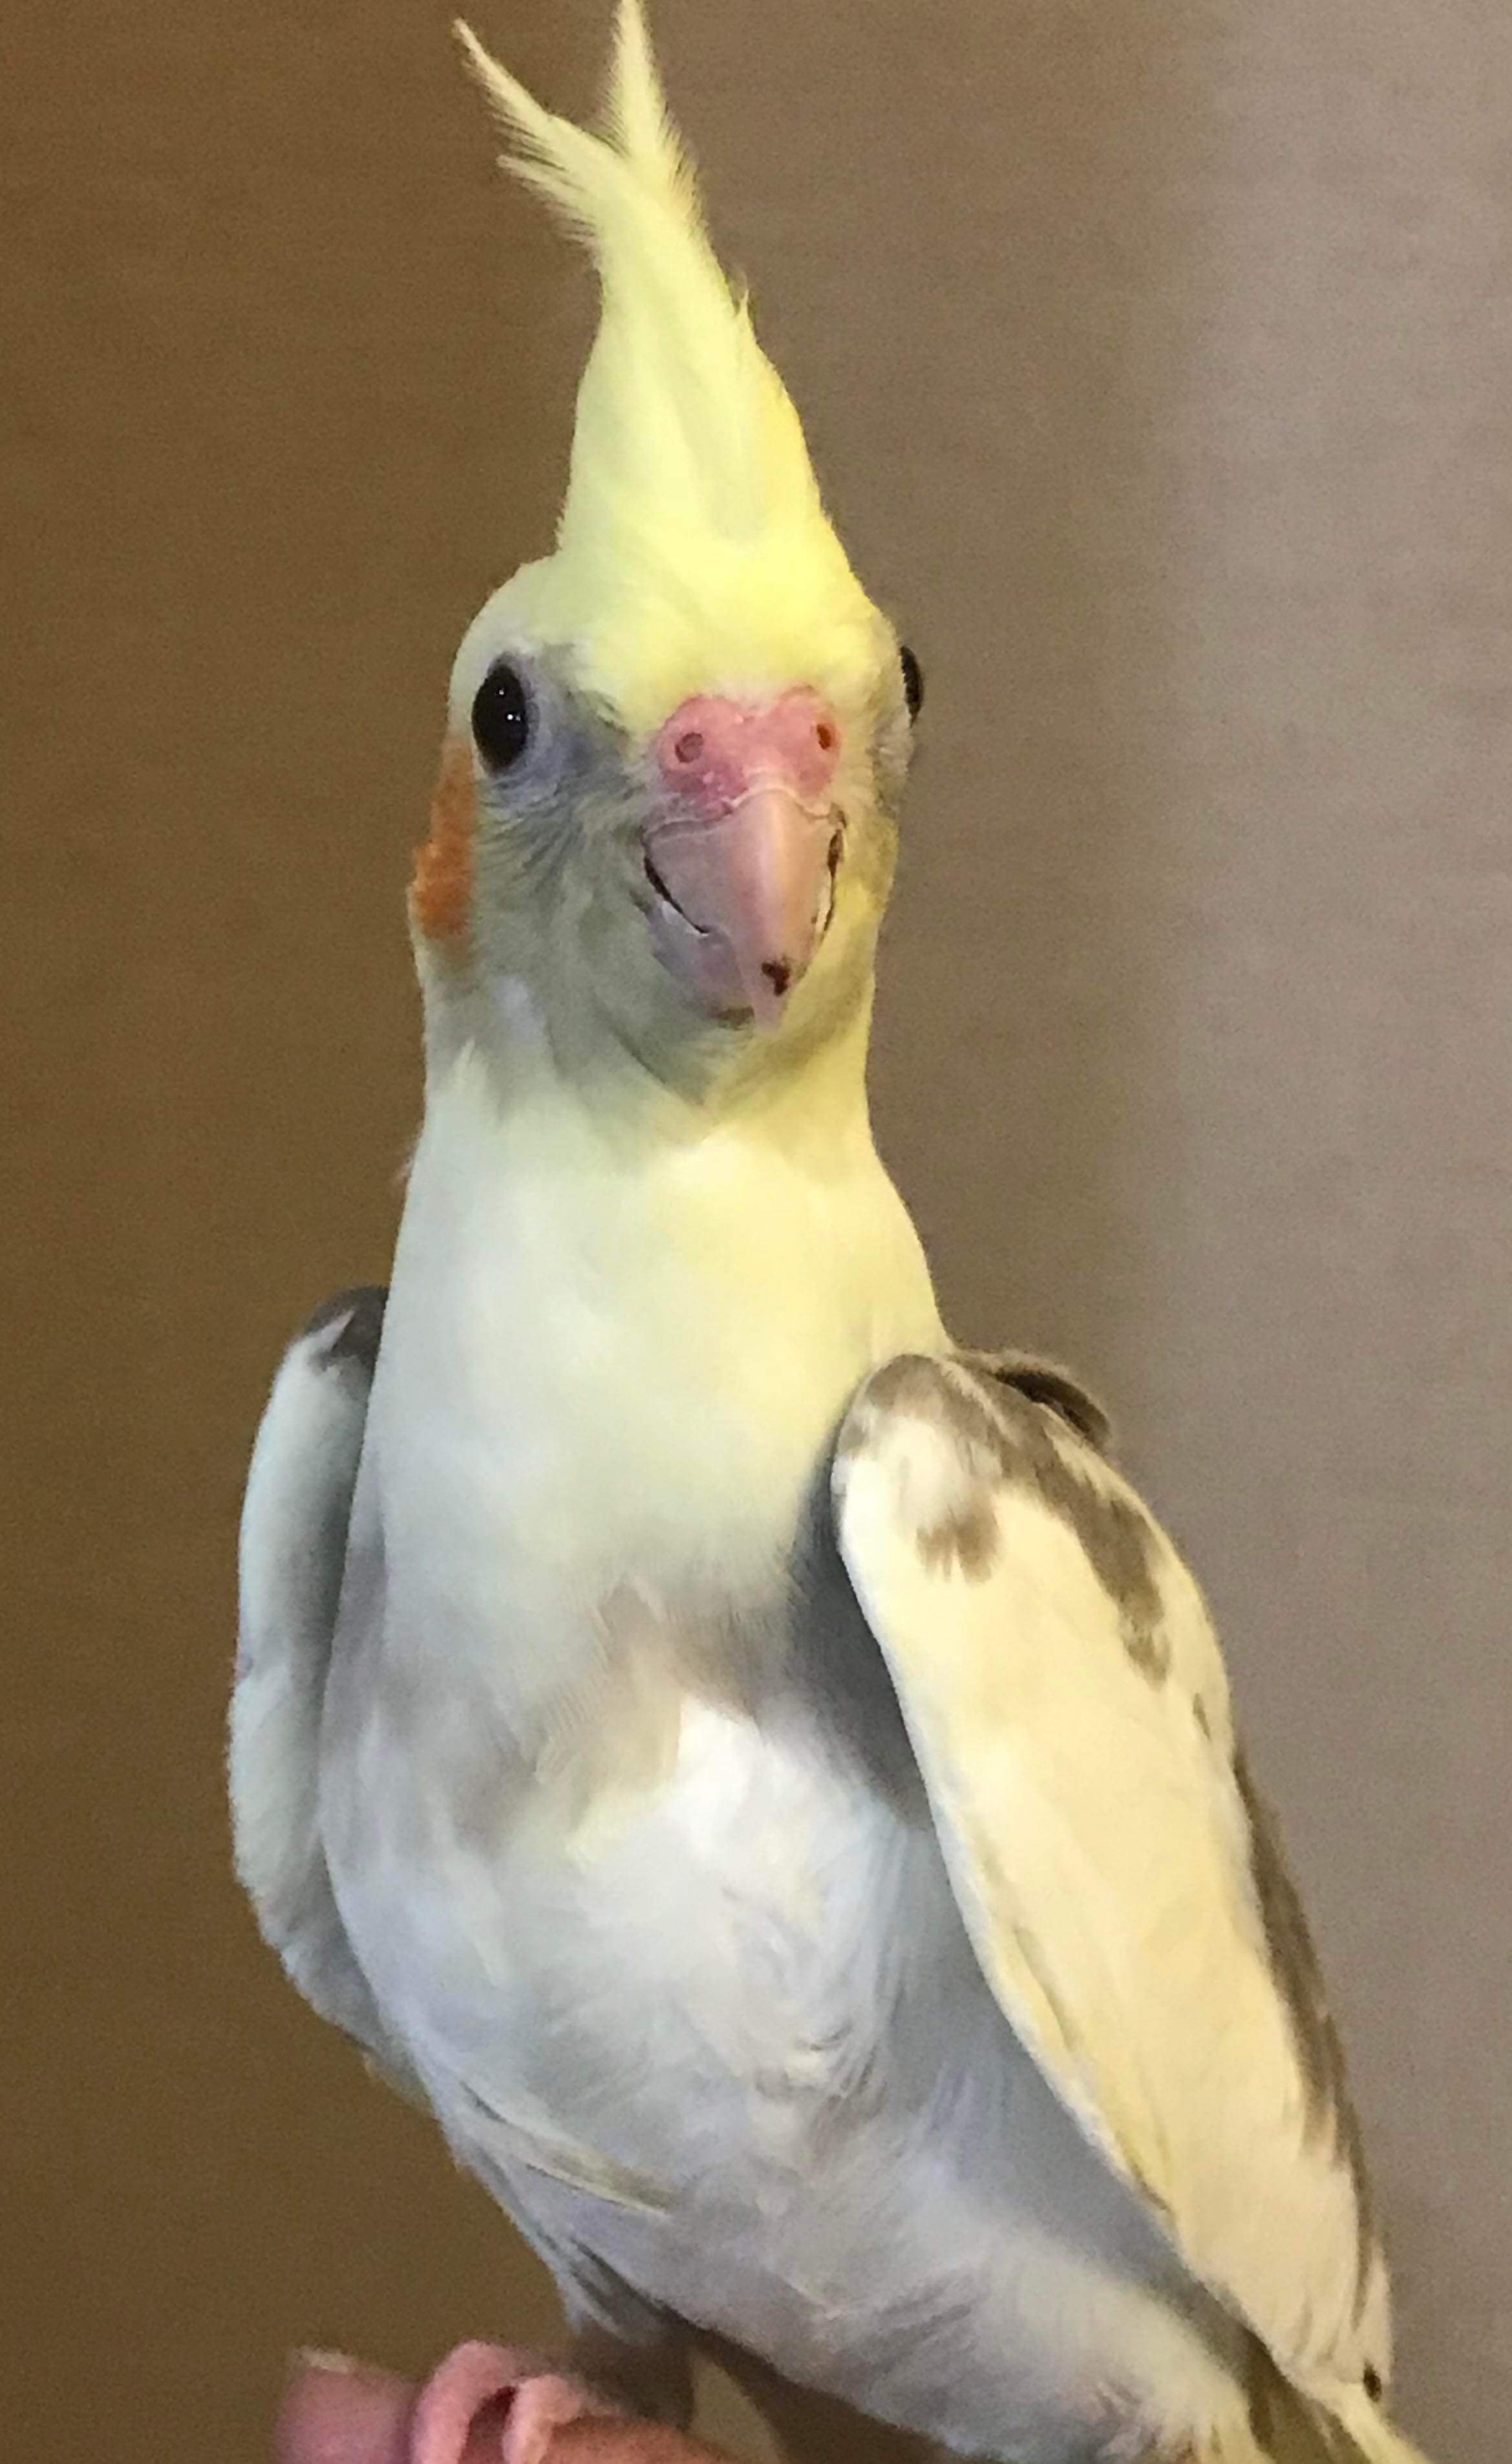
(743, 899)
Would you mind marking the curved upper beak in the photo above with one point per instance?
(745, 855)
(744, 900)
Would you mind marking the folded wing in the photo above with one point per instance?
(293, 1537)
(1067, 1702)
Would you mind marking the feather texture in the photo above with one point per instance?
(293, 1554)
(1068, 1705)
(691, 498)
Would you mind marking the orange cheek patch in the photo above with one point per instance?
(441, 888)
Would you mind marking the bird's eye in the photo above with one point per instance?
(501, 716)
(912, 681)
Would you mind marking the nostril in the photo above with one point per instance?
(778, 974)
(825, 736)
(688, 745)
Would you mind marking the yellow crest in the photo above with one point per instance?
(693, 551)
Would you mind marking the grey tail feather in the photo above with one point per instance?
(353, 1321)
(1288, 2428)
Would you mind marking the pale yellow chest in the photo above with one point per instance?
(601, 1367)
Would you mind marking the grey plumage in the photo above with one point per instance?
(293, 1557)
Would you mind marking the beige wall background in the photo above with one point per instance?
(1158, 357)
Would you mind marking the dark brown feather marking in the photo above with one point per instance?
(1046, 1382)
(1328, 2109)
(1109, 1526)
(965, 1542)
(1003, 1431)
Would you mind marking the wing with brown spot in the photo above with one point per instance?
(1068, 1704)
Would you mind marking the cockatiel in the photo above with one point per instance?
(763, 1778)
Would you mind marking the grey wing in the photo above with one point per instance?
(295, 1524)
(294, 1535)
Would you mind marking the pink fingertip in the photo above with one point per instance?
(340, 2412)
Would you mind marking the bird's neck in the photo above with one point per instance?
(547, 1054)
(652, 1323)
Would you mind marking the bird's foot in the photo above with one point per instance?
(493, 2404)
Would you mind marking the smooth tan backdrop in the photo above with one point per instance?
(1157, 357)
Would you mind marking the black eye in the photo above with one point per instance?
(501, 716)
(912, 681)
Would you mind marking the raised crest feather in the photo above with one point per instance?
(692, 546)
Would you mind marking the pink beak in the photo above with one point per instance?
(744, 858)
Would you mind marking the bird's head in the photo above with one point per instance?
(665, 823)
